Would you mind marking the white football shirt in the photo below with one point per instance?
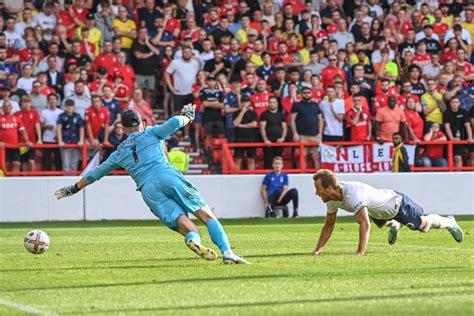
(381, 203)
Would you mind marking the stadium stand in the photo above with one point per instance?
(347, 73)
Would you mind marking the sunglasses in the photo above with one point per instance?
(332, 59)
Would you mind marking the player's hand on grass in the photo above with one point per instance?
(189, 110)
(67, 191)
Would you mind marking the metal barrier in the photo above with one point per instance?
(84, 160)
(229, 167)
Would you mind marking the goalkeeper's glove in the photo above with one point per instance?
(67, 191)
(189, 110)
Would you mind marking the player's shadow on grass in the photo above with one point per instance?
(316, 275)
(355, 299)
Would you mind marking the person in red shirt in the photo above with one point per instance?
(331, 71)
(282, 53)
(380, 100)
(43, 80)
(433, 156)
(359, 121)
(125, 70)
(449, 52)
(95, 87)
(32, 123)
(297, 5)
(171, 24)
(463, 66)
(259, 100)
(421, 58)
(287, 104)
(97, 122)
(10, 127)
(106, 59)
(415, 124)
(65, 17)
(122, 92)
(439, 28)
(406, 93)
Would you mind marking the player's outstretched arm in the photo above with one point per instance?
(176, 122)
(91, 176)
(325, 234)
(362, 218)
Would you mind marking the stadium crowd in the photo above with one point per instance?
(259, 71)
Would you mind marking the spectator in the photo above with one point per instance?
(218, 65)
(231, 105)
(5, 68)
(107, 58)
(25, 82)
(184, 72)
(260, 99)
(314, 65)
(400, 156)
(178, 158)
(112, 105)
(307, 125)
(70, 131)
(81, 100)
(246, 131)
(125, 70)
(117, 136)
(32, 123)
(433, 104)
(414, 122)
(49, 126)
(359, 121)
(97, 123)
(389, 120)
(342, 36)
(14, 93)
(457, 127)
(90, 33)
(9, 129)
(213, 102)
(124, 28)
(46, 20)
(275, 190)
(273, 128)
(142, 106)
(329, 73)
(457, 88)
(104, 20)
(38, 100)
(433, 154)
(333, 113)
(145, 62)
(56, 79)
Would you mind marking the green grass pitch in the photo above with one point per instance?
(141, 267)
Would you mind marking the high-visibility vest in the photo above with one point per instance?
(179, 159)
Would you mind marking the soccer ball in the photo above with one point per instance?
(36, 241)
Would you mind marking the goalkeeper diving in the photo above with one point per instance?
(168, 194)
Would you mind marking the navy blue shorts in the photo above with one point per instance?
(409, 213)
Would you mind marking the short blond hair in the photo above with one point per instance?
(277, 158)
(327, 178)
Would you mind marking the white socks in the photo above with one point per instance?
(228, 253)
(436, 221)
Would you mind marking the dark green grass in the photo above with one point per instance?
(141, 267)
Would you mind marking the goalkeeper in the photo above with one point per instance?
(164, 189)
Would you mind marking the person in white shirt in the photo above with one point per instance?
(26, 80)
(26, 22)
(386, 208)
(333, 112)
(49, 125)
(47, 20)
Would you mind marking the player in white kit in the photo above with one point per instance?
(385, 207)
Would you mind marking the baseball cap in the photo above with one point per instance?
(188, 38)
(102, 70)
(72, 61)
(131, 118)
(90, 16)
(457, 27)
(305, 87)
(211, 77)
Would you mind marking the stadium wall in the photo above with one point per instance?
(31, 199)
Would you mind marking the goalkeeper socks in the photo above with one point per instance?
(218, 235)
(436, 221)
(192, 236)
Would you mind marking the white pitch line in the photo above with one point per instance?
(25, 308)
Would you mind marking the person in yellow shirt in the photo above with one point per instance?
(468, 24)
(433, 105)
(178, 158)
(124, 28)
(95, 34)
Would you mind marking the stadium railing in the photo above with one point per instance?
(85, 155)
(229, 167)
